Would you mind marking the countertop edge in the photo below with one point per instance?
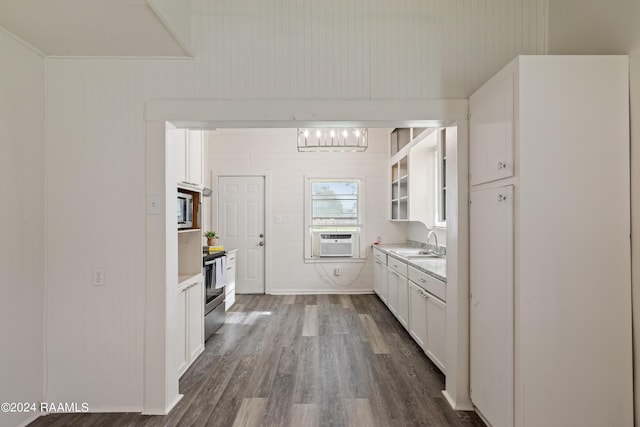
(387, 250)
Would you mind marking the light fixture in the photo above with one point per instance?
(332, 139)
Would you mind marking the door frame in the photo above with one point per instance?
(160, 378)
(267, 214)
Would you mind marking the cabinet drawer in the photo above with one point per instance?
(398, 266)
(428, 283)
(380, 256)
(231, 258)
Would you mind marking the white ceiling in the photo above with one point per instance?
(89, 27)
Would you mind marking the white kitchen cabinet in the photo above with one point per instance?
(413, 179)
(393, 280)
(380, 284)
(418, 315)
(190, 318)
(230, 287)
(491, 129)
(398, 300)
(436, 332)
(492, 304)
(551, 340)
(188, 156)
(427, 323)
(182, 345)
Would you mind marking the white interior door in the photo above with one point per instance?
(241, 225)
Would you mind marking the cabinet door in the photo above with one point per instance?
(196, 146)
(491, 131)
(403, 301)
(491, 285)
(181, 341)
(418, 315)
(230, 287)
(380, 280)
(179, 138)
(393, 279)
(195, 320)
(436, 332)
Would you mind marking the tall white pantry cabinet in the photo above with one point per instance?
(550, 243)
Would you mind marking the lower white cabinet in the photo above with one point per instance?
(427, 324)
(398, 301)
(417, 301)
(418, 314)
(190, 324)
(436, 332)
(230, 286)
(380, 285)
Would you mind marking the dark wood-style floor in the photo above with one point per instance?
(325, 360)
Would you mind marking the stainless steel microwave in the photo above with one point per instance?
(185, 210)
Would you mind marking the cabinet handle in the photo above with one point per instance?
(502, 165)
(378, 262)
(423, 280)
(229, 268)
(502, 197)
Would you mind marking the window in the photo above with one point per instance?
(334, 208)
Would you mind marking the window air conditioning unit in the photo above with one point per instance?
(336, 244)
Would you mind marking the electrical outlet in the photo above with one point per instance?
(337, 271)
(98, 277)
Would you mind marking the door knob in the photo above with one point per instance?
(261, 235)
(261, 243)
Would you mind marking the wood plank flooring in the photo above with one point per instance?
(303, 361)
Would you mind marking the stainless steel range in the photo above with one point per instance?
(214, 280)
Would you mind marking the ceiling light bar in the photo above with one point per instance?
(332, 139)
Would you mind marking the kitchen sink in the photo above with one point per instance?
(415, 253)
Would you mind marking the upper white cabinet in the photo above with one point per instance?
(491, 130)
(413, 174)
(189, 156)
(551, 339)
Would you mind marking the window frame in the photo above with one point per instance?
(309, 233)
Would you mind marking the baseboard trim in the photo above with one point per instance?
(166, 410)
(322, 292)
(458, 406)
(31, 418)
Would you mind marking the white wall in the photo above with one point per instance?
(595, 27)
(355, 49)
(360, 49)
(237, 151)
(21, 226)
(96, 218)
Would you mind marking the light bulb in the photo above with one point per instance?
(332, 133)
(345, 133)
(318, 134)
(306, 134)
(357, 132)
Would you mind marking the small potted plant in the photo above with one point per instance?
(212, 237)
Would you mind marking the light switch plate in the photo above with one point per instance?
(153, 204)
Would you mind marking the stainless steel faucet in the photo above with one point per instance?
(435, 238)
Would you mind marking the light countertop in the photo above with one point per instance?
(435, 267)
